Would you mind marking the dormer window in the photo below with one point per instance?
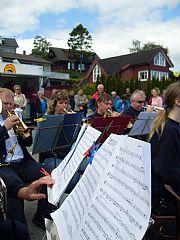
(159, 60)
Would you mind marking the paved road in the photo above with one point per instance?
(30, 208)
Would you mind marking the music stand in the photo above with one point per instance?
(143, 124)
(108, 125)
(57, 132)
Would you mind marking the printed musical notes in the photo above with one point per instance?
(65, 171)
(113, 198)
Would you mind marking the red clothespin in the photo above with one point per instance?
(87, 152)
(43, 171)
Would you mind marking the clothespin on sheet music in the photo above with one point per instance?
(93, 151)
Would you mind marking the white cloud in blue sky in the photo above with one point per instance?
(112, 23)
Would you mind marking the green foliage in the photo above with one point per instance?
(136, 46)
(80, 42)
(41, 47)
(118, 85)
(89, 89)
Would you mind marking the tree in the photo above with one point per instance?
(136, 46)
(41, 47)
(80, 42)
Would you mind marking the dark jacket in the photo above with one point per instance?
(165, 154)
(22, 142)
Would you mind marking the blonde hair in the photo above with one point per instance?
(17, 85)
(62, 95)
(5, 91)
(171, 94)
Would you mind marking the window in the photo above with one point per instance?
(159, 60)
(159, 75)
(143, 75)
(70, 66)
(81, 67)
(96, 73)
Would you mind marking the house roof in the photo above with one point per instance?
(24, 58)
(9, 42)
(62, 54)
(113, 65)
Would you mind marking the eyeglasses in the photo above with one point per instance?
(7, 103)
(140, 102)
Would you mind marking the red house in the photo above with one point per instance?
(142, 65)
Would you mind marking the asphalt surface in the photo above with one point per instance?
(30, 208)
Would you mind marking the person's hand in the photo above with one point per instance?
(115, 114)
(31, 192)
(11, 122)
(149, 108)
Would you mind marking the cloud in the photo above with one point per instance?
(117, 23)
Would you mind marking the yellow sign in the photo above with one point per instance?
(176, 73)
(9, 68)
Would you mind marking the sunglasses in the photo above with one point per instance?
(141, 102)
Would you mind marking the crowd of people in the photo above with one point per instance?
(16, 162)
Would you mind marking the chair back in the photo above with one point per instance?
(176, 199)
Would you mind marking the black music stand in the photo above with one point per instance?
(57, 132)
(108, 125)
(142, 125)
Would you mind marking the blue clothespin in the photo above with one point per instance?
(92, 153)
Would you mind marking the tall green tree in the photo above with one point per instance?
(80, 42)
(41, 47)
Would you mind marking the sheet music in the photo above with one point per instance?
(121, 205)
(70, 214)
(62, 176)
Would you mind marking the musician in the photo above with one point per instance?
(104, 104)
(165, 151)
(137, 100)
(58, 104)
(15, 230)
(17, 166)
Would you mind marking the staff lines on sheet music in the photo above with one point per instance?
(130, 164)
(69, 227)
(99, 227)
(121, 209)
(79, 188)
(86, 186)
(126, 199)
(88, 225)
(127, 187)
(90, 183)
(94, 170)
(129, 176)
(73, 213)
(79, 201)
(117, 218)
(109, 152)
(77, 210)
(84, 234)
(113, 227)
(129, 153)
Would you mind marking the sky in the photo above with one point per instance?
(113, 24)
